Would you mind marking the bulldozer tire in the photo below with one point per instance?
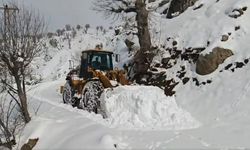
(91, 96)
(68, 94)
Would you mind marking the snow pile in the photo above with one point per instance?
(145, 107)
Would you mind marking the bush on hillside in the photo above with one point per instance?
(50, 35)
(53, 43)
(67, 27)
(78, 27)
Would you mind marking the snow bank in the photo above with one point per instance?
(145, 107)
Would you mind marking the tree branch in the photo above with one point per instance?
(114, 7)
(9, 86)
(18, 103)
(120, 10)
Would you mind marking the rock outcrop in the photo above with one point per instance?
(210, 62)
(179, 6)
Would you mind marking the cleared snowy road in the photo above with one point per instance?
(61, 126)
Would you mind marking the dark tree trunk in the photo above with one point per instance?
(23, 99)
(143, 58)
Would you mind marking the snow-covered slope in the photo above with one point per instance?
(195, 28)
(221, 107)
(56, 60)
(204, 27)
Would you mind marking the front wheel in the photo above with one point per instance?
(91, 96)
(68, 94)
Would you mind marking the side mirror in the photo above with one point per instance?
(117, 58)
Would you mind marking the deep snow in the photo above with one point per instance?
(144, 107)
(61, 126)
(220, 108)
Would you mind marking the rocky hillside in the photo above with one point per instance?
(203, 42)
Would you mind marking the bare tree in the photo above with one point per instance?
(140, 8)
(20, 45)
(10, 121)
(68, 27)
(73, 33)
(59, 32)
(78, 27)
(87, 26)
(68, 37)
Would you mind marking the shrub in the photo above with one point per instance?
(53, 43)
(78, 27)
(59, 32)
(50, 35)
(67, 27)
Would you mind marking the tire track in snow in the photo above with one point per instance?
(200, 140)
(157, 145)
(191, 137)
(236, 103)
(37, 94)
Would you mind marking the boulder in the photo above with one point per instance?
(224, 38)
(179, 6)
(236, 13)
(208, 63)
(129, 44)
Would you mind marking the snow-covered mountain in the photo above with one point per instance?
(206, 112)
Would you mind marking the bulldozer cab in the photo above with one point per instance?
(97, 60)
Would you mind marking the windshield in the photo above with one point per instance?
(101, 61)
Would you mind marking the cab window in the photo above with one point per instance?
(101, 61)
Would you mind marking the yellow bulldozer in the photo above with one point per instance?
(85, 84)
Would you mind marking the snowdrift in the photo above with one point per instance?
(145, 107)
